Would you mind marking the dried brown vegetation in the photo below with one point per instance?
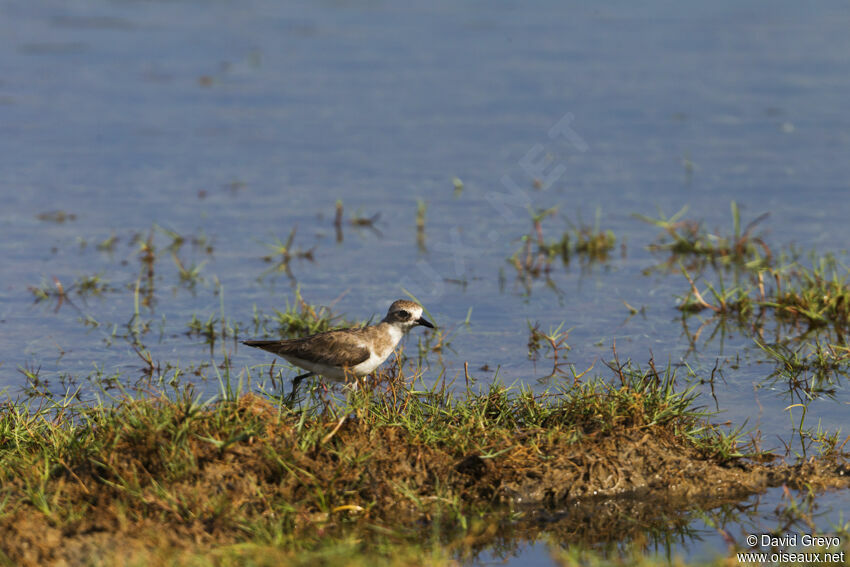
(122, 484)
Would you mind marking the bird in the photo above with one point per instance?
(354, 351)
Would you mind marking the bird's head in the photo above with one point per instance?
(406, 315)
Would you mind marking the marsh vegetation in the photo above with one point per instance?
(414, 465)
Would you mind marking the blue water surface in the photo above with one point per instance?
(233, 123)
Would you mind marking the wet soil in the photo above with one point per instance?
(137, 492)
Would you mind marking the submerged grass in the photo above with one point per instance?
(795, 301)
(689, 238)
(536, 255)
(391, 464)
(811, 294)
(796, 308)
(281, 254)
(553, 343)
(84, 286)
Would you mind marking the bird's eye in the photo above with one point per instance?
(403, 314)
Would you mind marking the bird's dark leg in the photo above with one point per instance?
(296, 381)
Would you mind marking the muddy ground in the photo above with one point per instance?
(138, 489)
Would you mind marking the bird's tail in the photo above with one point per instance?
(260, 343)
(265, 344)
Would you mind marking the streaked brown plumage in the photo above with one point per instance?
(345, 352)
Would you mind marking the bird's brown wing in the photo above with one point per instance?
(333, 348)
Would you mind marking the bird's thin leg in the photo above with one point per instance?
(350, 379)
(296, 381)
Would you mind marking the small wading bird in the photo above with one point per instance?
(347, 352)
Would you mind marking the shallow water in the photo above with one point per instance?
(235, 123)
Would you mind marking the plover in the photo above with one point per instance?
(355, 351)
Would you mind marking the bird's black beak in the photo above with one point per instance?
(424, 322)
